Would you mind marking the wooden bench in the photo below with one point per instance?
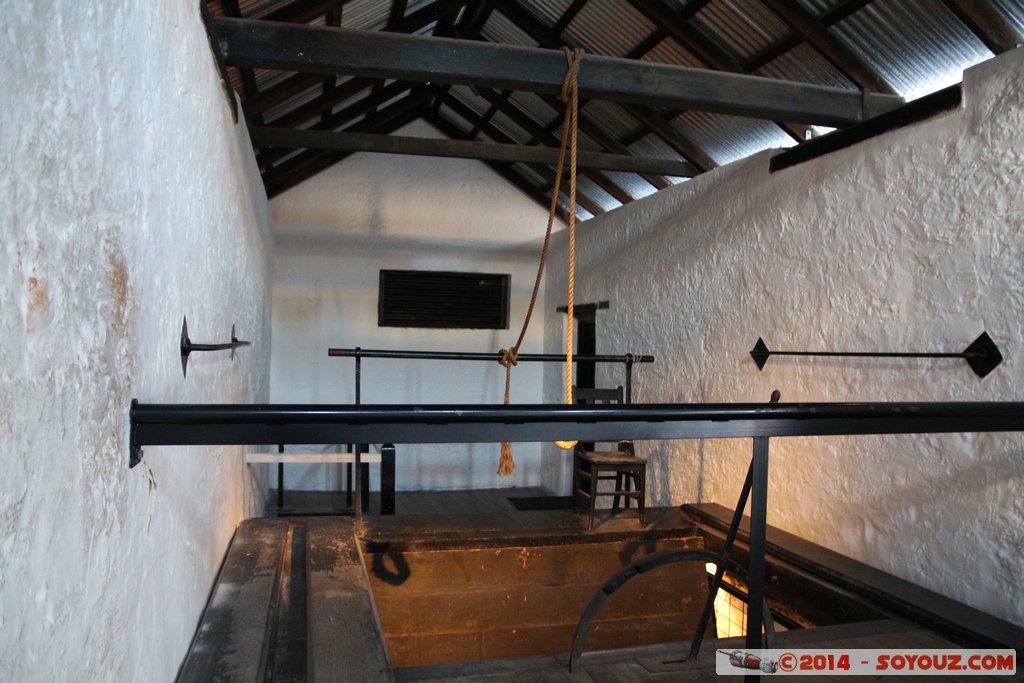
(385, 458)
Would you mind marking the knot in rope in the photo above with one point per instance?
(569, 88)
(509, 357)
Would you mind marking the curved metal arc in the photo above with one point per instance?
(652, 561)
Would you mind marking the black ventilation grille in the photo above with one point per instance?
(438, 299)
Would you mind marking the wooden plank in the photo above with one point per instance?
(327, 50)
(345, 642)
(463, 605)
(232, 641)
(461, 149)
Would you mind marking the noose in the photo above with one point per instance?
(509, 357)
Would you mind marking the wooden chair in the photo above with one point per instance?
(621, 466)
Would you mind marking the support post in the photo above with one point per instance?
(758, 529)
(387, 479)
(280, 479)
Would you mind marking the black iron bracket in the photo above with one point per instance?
(982, 354)
(188, 346)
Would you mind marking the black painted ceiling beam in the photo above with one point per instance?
(342, 141)
(325, 50)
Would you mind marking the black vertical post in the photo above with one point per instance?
(758, 529)
(358, 447)
(387, 479)
(629, 378)
(280, 479)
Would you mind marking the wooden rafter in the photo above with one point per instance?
(442, 60)
(546, 135)
(342, 118)
(507, 171)
(831, 48)
(705, 49)
(342, 141)
(987, 23)
(307, 163)
(542, 169)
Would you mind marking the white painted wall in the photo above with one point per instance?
(910, 241)
(128, 199)
(333, 235)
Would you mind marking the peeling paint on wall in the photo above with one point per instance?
(909, 241)
(123, 207)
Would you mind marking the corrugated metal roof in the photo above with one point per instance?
(636, 186)
(669, 51)
(550, 10)
(608, 27)
(806, 65)
(1013, 10)
(596, 193)
(499, 29)
(370, 15)
(535, 107)
(745, 27)
(728, 138)
(917, 48)
(610, 118)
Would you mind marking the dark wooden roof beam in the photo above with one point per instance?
(326, 50)
(350, 113)
(792, 40)
(310, 162)
(341, 141)
(465, 112)
(546, 135)
(507, 171)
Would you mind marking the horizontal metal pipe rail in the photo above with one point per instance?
(154, 424)
(166, 425)
(492, 357)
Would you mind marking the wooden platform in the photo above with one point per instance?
(293, 601)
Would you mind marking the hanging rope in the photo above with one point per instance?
(509, 357)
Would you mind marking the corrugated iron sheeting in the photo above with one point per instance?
(917, 48)
(743, 27)
(509, 127)
(465, 95)
(535, 107)
(610, 118)
(806, 65)
(728, 138)
(594, 192)
(267, 78)
(608, 27)
(550, 10)
(651, 145)
(292, 103)
(371, 15)
(500, 29)
(636, 186)
(1013, 10)
(669, 51)
(462, 124)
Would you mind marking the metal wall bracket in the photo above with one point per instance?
(982, 354)
(188, 346)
